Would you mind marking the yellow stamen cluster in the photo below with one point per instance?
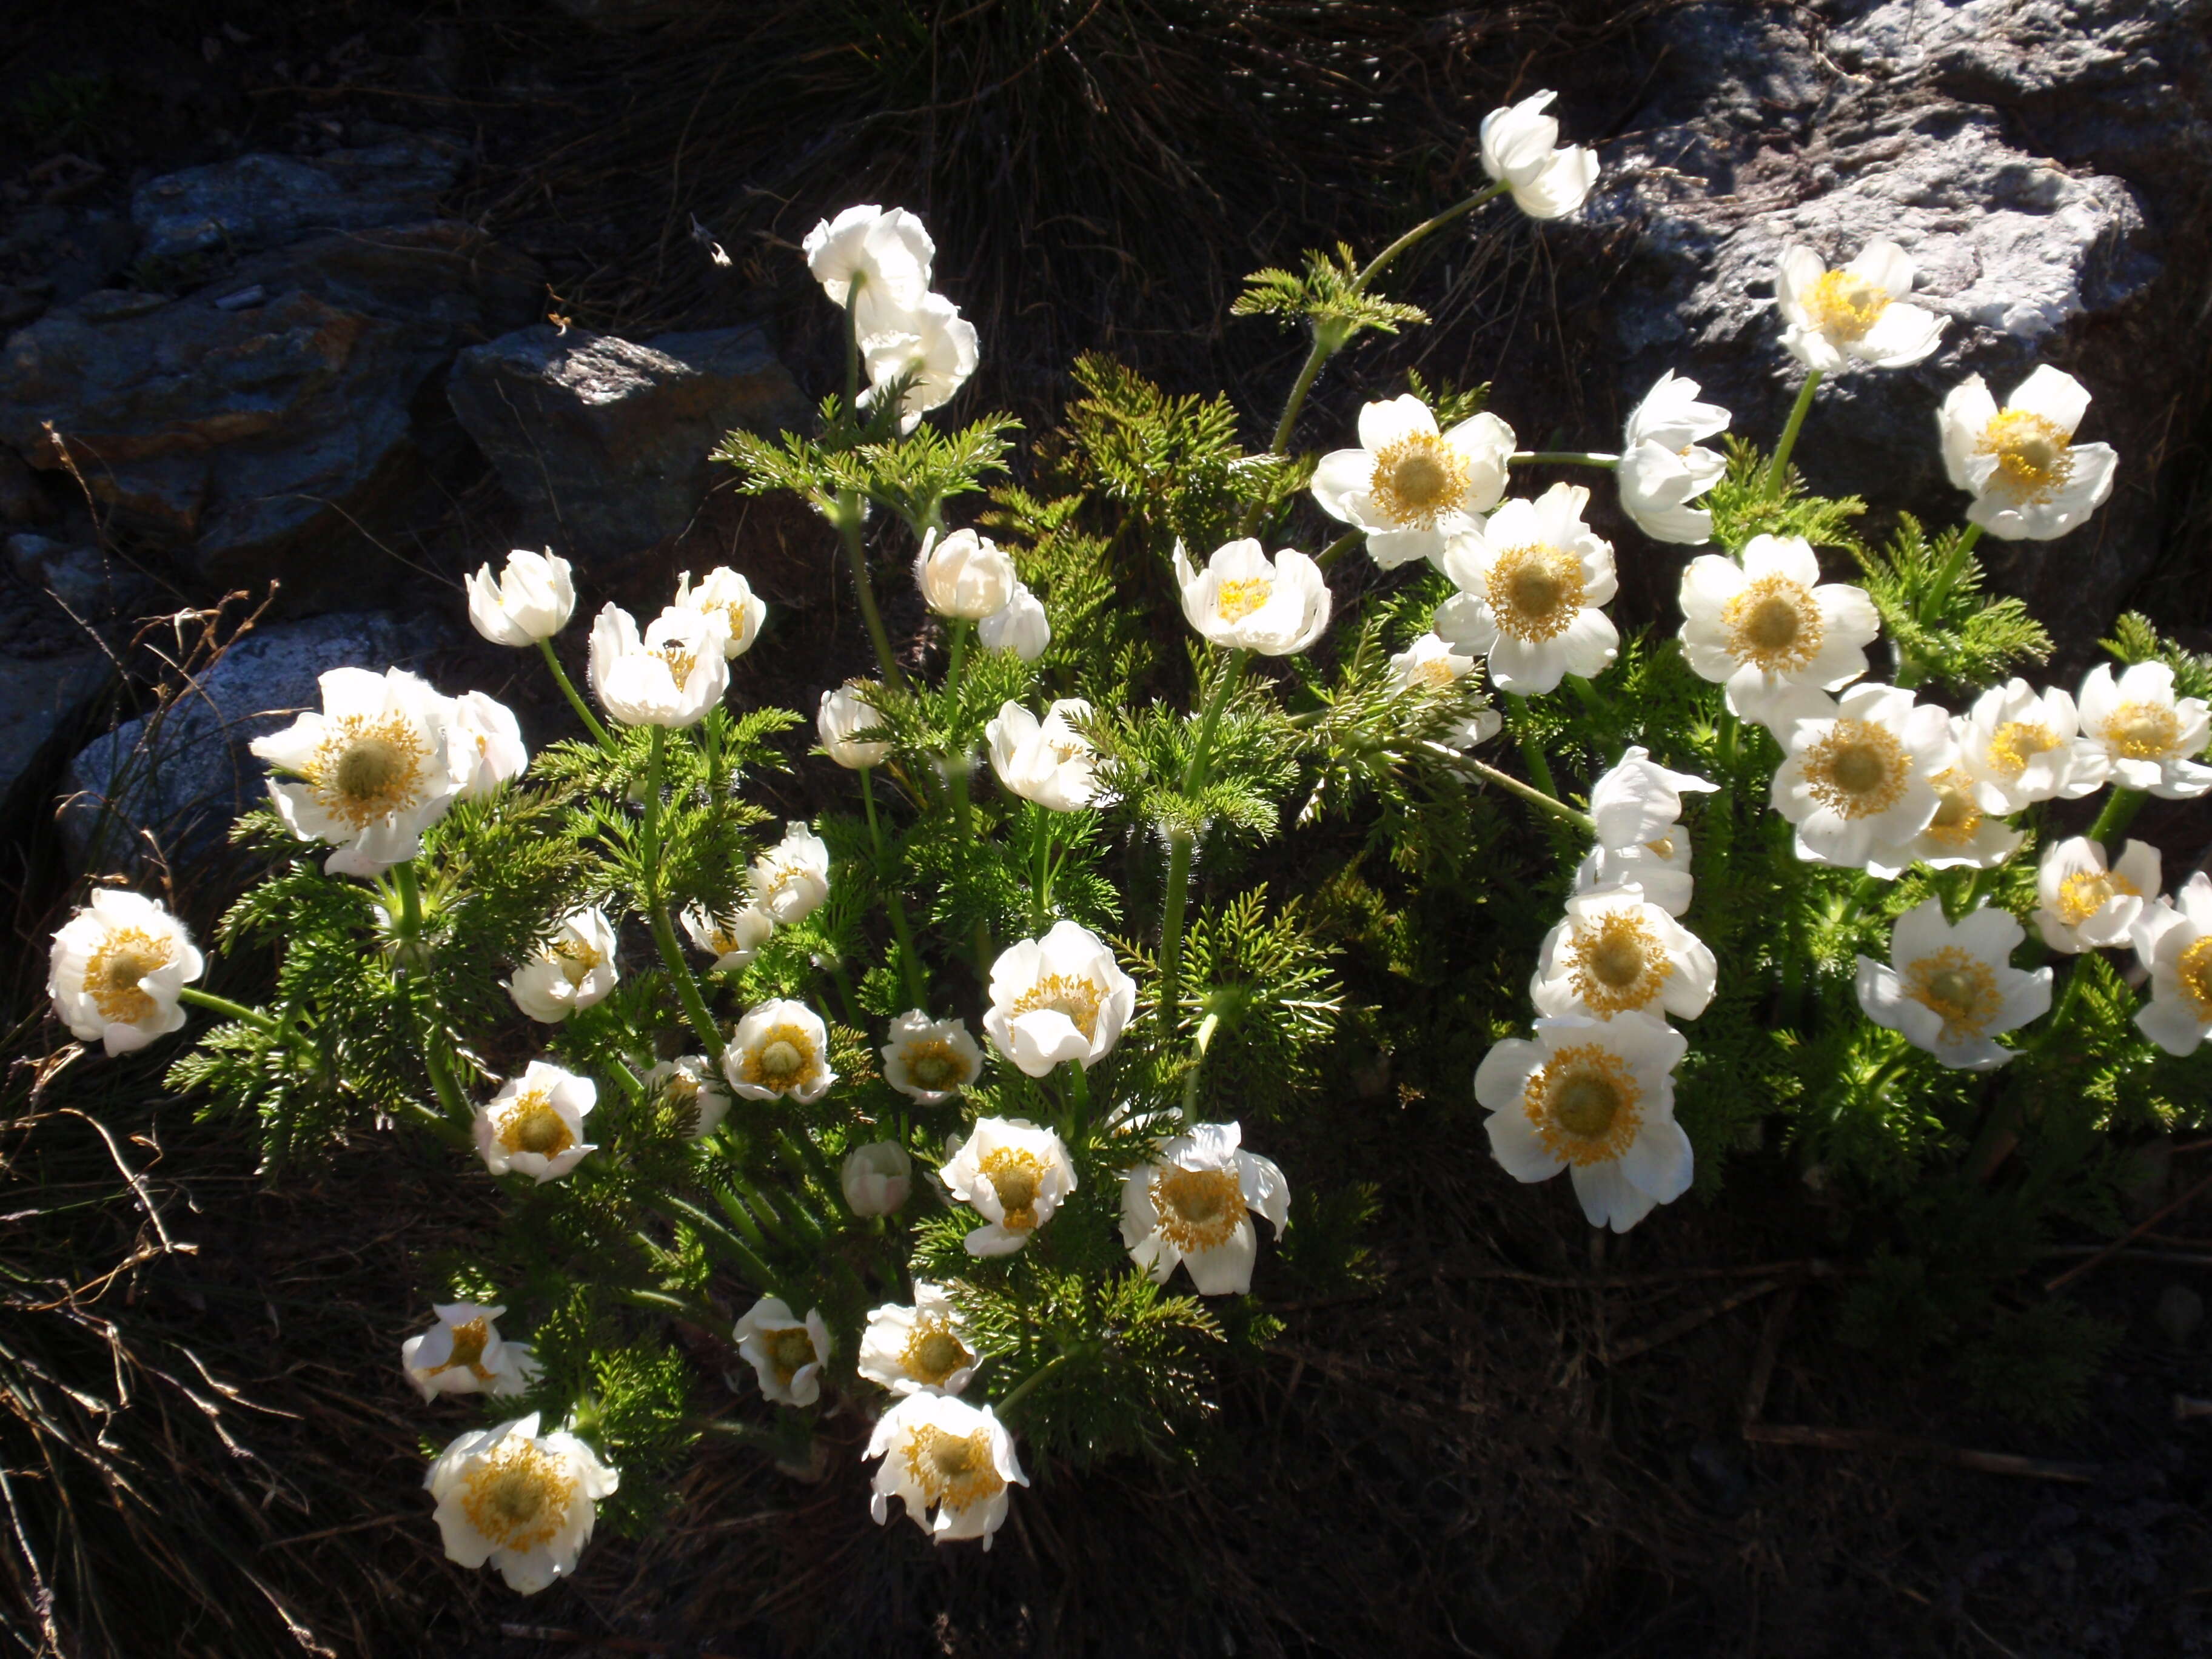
(531, 1123)
(367, 769)
(1584, 1104)
(469, 1342)
(955, 1470)
(1535, 592)
(790, 1349)
(782, 1058)
(2195, 971)
(1843, 305)
(2034, 455)
(933, 1353)
(1198, 1209)
(1958, 817)
(931, 1063)
(1077, 999)
(2084, 892)
(111, 978)
(1774, 624)
(1619, 963)
(1960, 987)
(681, 660)
(576, 959)
(1015, 1177)
(518, 1496)
(1416, 480)
(2015, 743)
(1239, 597)
(1858, 769)
(2143, 731)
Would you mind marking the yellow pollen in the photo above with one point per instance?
(1773, 624)
(530, 1124)
(1583, 1103)
(1843, 305)
(1535, 592)
(519, 1496)
(111, 978)
(1238, 599)
(2084, 892)
(1418, 480)
(1436, 671)
(1015, 1177)
(1077, 999)
(576, 959)
(366, 768)
(1858, 769)
(1958, 820)
(933, 1064)
(1662, 848)
(932, 1352)
(790, 1351)
(2034, 455)
(955, 1470)
(782, 1058)
(2015, 743)
(1617, 962)
(1961, 988)
(681, 661)
(469, 1342)
(1198, 1209)
(2143, 731)
(2195, 970)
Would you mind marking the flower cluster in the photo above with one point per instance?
(876, 263)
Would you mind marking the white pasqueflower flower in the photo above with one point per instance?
(1410, 487)
(876, 1178)
(1659, 866)
(1430, 663)
(1244, 601)
(844, 711)
(963, 574)
(940, 1453)
(732, 939)
(575, 968)
(791, 879)
(690, 1082)
(1530, 582)
(1857, 313)
(1858, 786)
(1192, 1204)
(1767, 625)
(2084, 904)
(1637, 807)
(780, 1048)
(535, 1125)
(465, 1353)
(930, 1061)
(1952, 988)
(1518, 151)
(1046, 761)
(116, 968)
(726, 594)
(1594, 1097)
(488, 746)
(1615, 952)
(786, 1353)
(2029, 479)
(669, 677)
(1015, 1174)
(523, 1501)
(2146, 732)
(1019, 625)
(929, 340)
(1960, 836)
(1061, 997)
(2022, 745)
(885, 251)
(1663, 468)
(374, 767)
(924, 1349)
(528, 601)
(2175, 942)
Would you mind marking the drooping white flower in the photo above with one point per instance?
(523, 1501)
(1242, 601)
(1660, 866)
(2147, 733)
(1859, 786)
(1637, 799)
(844, 711)
(1663, 468)
(690, 1083)
(575, 968)
(1530, 582)
(929, 340)
(1193, 1204)
(1594, 1097)
(1019, 625)
(669, 677)
(930, 1061)
(876, 1178)
(781, 1049)
(2029, 479)
(1046, 761)
(2083, 904)
(732, 939)
(116, 968)
(1518, 151)
(535, 1125)
(530, 600)
(1410, 487)
(1014, 1173)
(1951, 989)
(963, 574)
(487, 744)
(371, 771)
(1059, 997)
(1960, 836)
(1770, 624)
(2021, 745)
(942, 1454)
(2175, 942)
(787, 1353)
(465, 1353)
(726, 594)
(924, 1349)
(792, 878)
(885, 251)
(1428, 662)
(1856, 314)
(1615, 952)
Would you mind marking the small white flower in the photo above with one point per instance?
(690, 1082)
(1663, 468)
(844, 711)
(1019, 625)
(886, 250)
(786, 1354)
(1859, 785)
(1616, 953)
(1961, 835)
(465, 1353)
(669, 678)
(963, 574)
(780, 1048)
(1857, 313)
(2081, 904)
(1952, 990)
(1429, 663)
(575, 968)
(733, 941)
(929, 340)
(1546, 183)
(530, 600)
(924, 1349)
(1637, 799)
(930, 1061)
(1530, 582)
(1595, 1097)
(1410, 487)
(1046, 761)
(1660, 866)
(944, 1455)
(116, 968)
(726, 594)
(1059, 997)
(2147, 733)
(1014, 1173)
(535, 1125)
(792, 878)
(522, 1501)
(2028, 478)
(374, 767)
(1244, 601)
(1770, 624)
(877, 1179)
(2021, 745)
(1192, 1204)
(2175, 942)
(487, 744)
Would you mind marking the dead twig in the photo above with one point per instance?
(1762, 1362)
(1689, 1321)
(2129, 1236)
(1881, 1444)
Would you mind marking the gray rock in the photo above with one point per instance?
(90, 585)
(603, 441)
(267, 201)
(37, 699)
